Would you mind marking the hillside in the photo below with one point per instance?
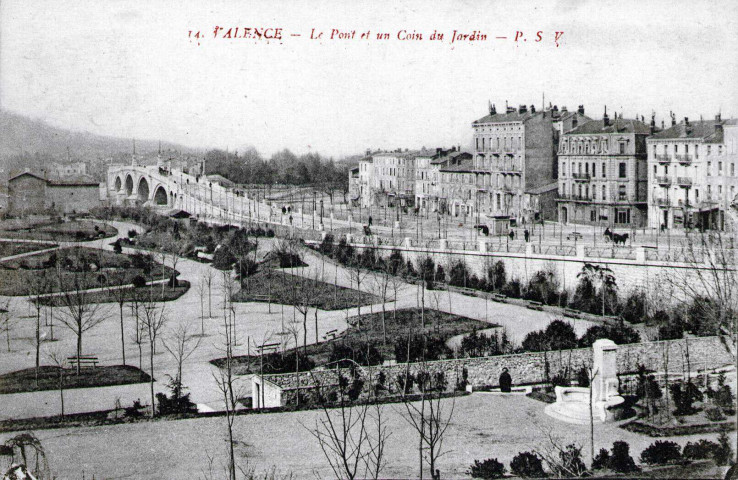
(39, 141)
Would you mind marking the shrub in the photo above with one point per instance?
(570, 462)
(512, 288)
(683, 397)
(422, 347)
(700, 450)
(601, 460)
(117, 248)
(661, 452)
(489, 468)
(634, 309)
(543, 287)
(139, 281)
(223, 259)
(620, 460)
(527, 464)
(558, 335)
(714, 414)
(177, 403)
(723, 454)
(132, 234)
(619, 333)
(496, 276)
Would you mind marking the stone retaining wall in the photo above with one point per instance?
(525, 368)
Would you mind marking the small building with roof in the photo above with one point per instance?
(30, 192)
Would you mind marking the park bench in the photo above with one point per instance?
(84, 361)
(534, 305)
(498, 297)
(262, 298)
(571, 313)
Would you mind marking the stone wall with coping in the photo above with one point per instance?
(525, 368)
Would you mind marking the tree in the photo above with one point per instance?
(351, 436)
(228, 387)
(57, 357)
(118, 292)
(180, 343)
(202, 290)
(430, 418)
(7, 322)
(152, 319)
(208, 277)
(77, 310)
(38, 287)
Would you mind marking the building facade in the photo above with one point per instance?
(366, 181)
(602, 173)
(692, 174)
(393, 178)
(515, 151)
(31, 193)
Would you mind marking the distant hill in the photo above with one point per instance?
(39, 140)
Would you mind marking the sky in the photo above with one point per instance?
(132, 69)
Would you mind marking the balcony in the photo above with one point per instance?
(663, 158)
(663, 180)
(684, 182)
(576, 198)
(581, 176)
(663, 202)
(684, 159)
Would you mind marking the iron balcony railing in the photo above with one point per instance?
(663, 158)
(663, 180)
(684, 181)
(581, 176)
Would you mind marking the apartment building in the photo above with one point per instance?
(393, 179)
(602, 173)
(692, 174)
(515, 152)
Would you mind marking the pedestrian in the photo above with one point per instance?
(505, 381)
(511, 234)
(526, 233)
(284, 210)
(370, 220)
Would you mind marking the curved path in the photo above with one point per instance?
(254, 325)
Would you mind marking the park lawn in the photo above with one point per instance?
(117, 269)
(49, 229)
(132, 293)
(25, 380)
(285, 287)
(369, 331)
(14, 248)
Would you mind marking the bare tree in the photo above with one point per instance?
(209, 277)
(381, 284)
(7, 322)
(352, 436)
(430, 417)
(357, 274)
(57, 357)
(228, 387)
(152, 319)
(118, 291)
(181, 344)
(77, 310)
(38, 287)
(202, 290)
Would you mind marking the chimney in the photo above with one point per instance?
(493, 110)
(510, 110)
(368, 152)
(438, 151)
(522, 109)
(574, 122)
(662, 124)
(458, 148)
(580, 110)
(564, 109)
(532, 109)
(686, 121)
(717, 118)
(653, 123)
(605, 118)
(673, 118)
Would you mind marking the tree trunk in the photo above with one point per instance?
(79, 348)
(151, 380)
(122, 337)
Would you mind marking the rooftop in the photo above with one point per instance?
(701, 130)
(616, 125)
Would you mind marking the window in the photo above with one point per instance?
(622, 193)
(655, 170)
(593, 215)
(709, 148)
(604, 170)
(709, 168)
(621, 170)
(720, 168)
(720, 190)
(696, 151)
(622, 148)
(732, 169)
(604, 193)
(676, 149)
